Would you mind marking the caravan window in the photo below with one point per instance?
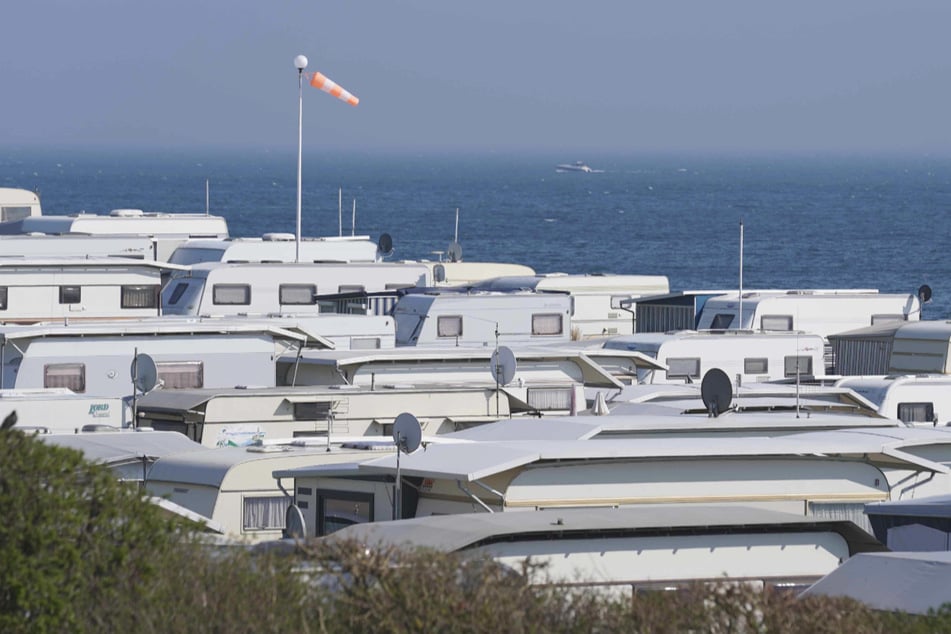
(140, 297)
(687, 368)
(312, 411)
(68, 375)
(350, 288)
(449, 326)
(365, 343)
(550, 398)
(298, 294)
(776, 322)
(3, 297)
(916, 412)
(232, 294)
(339, 509)
(549, 324)
(181, 374)
(801, 365)
(70, 294)
(756, 366)
(721, 321)
(180, 289)
(264, 513)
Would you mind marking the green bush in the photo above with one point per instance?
(82, 552)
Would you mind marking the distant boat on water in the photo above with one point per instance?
(577, 166)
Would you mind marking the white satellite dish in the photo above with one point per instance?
(144, 372)
(407, 433)
(503, 365)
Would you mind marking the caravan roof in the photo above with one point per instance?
(277, 247)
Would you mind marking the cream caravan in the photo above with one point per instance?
(277, 247)
(16, 204)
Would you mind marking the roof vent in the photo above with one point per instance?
(277, 237)
(127, 213)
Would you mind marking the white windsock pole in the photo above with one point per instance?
(300, 62)
(740, 325)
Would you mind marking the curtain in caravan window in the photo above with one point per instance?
(548, 324)
(68, 375)
(916, 412)
(264, 513)
(549, 398)
(140, 296)
(181, 374)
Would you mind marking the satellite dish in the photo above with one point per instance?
(294, 526)
(503, 365)
(144, 372)
(385, 244)
(454, 252)
(716, 391)
(924, 293)
(407, 433)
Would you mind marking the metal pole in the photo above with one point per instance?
(301, 63)
(740, 325)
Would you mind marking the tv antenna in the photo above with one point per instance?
(503, 366)
(407, 436)
(716, 391)
(144, 379)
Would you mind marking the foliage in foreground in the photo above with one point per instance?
(81, 552)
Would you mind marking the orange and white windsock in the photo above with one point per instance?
(319, 80)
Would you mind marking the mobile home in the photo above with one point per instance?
(744, 355)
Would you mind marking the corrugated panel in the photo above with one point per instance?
(855, 357)
(664, 318)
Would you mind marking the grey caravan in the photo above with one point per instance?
(96, 358)
(485, 319)
(216, 288)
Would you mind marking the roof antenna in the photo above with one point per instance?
(740, 324)
(353, 221)
(206, 197)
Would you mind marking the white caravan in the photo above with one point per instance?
(76, 245)
(167, 230)
(744, 355)
(598, 300)
(16, 204)
(72, 288)
(214, 288)
(823, 312)
(59, 410)
(277, 247)
(96, 358)
(481, 318)
(920, 400)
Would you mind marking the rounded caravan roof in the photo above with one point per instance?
(127, 222)
(580, 283)
(277, 248)
(14, 196)
(929, 330)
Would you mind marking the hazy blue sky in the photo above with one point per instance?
(668, 75)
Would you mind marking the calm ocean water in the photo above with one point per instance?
(808, 223)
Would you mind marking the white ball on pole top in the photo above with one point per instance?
(300, 62)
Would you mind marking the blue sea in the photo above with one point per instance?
(808, 222)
